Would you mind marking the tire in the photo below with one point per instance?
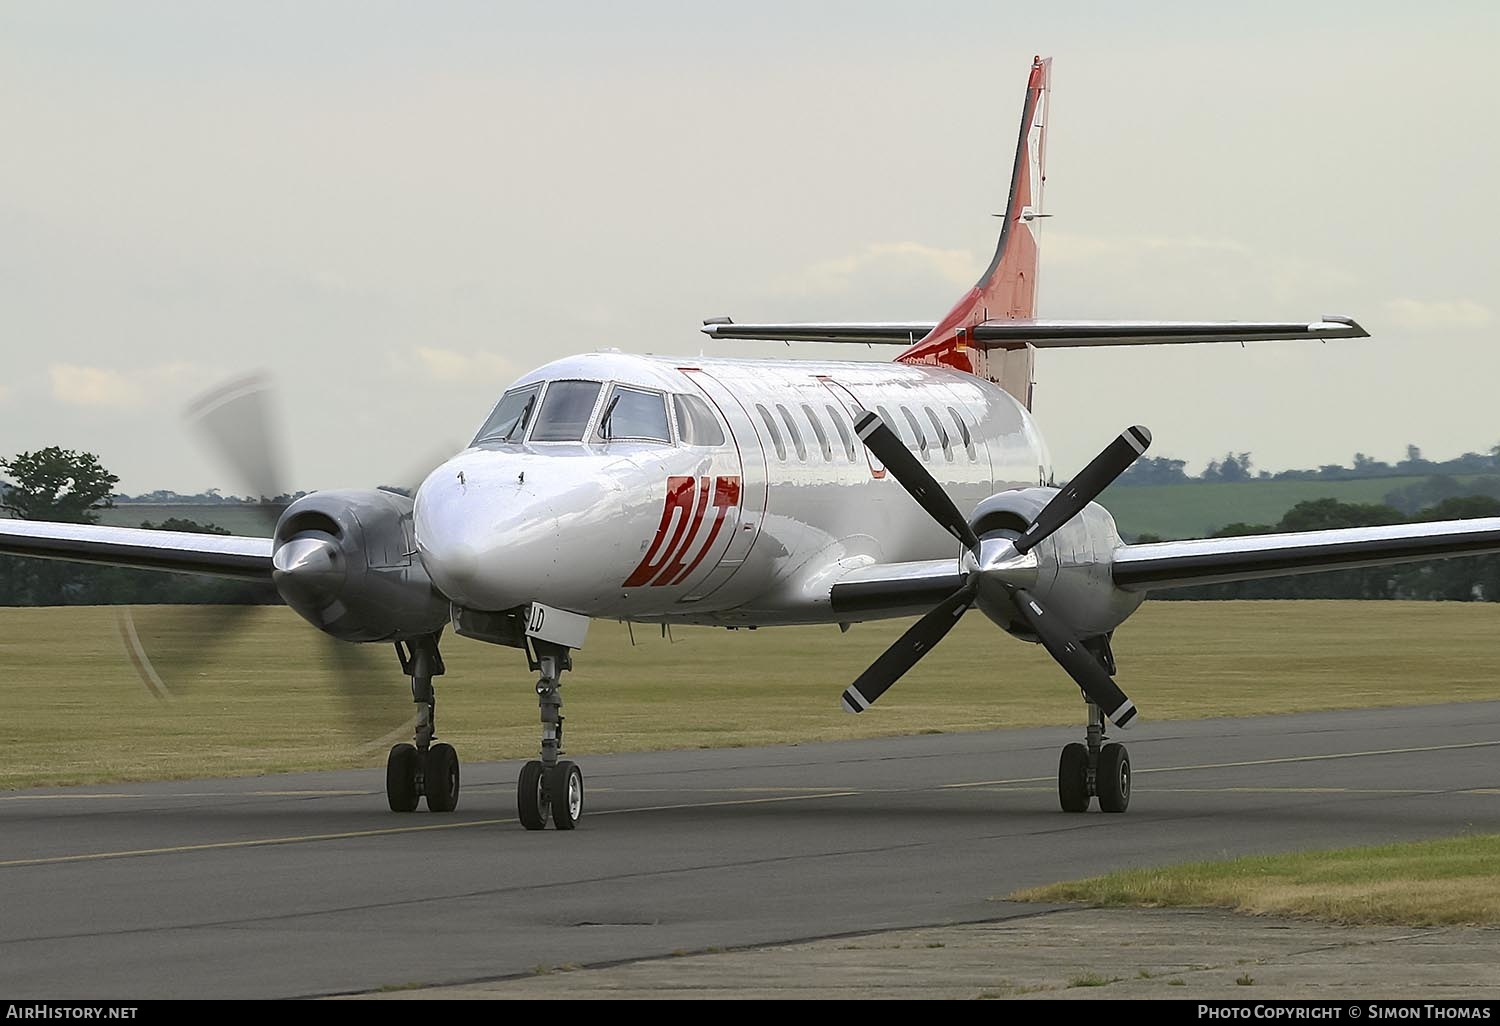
(531, 805)
(441, 778)
(1114, 779)
(401, 778)
(1073, 778)
(565, 793)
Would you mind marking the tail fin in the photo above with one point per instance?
(1007, 289)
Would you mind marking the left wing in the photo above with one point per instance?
(908, 589)
(233, 556)
(1177, 564)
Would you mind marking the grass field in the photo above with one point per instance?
(1197, 510)
(265, 699)
(1450, 882)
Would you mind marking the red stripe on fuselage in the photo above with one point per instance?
(726, 497)
(679, 498)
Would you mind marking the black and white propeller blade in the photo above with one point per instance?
(1085, 488)
(918, 640)
(908, 470)
(1081, 664)
(1056, 636)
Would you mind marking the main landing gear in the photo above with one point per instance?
(425, 768)
(549, 786)
(1094, 769)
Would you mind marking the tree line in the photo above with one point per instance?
(1238, 467)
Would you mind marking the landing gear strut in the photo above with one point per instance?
(427, 766)
(1094, 769)
(549, 786)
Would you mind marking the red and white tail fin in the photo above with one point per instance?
(1007, 289)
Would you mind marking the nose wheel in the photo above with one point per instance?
(1094, 770)
(550, 787)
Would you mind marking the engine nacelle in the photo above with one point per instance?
(1074, 577)
(346, 562)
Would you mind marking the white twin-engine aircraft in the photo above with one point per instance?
(753, 493)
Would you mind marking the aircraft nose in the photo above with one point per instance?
(479, 530)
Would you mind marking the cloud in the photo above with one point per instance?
(881, 260)
(449, 365)
(1438, 315)
(101, 387)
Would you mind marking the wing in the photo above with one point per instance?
(1049, 334)
(896, 589)
(234, 556)
(1216, 560)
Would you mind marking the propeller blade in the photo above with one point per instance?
(908, 470)
(235, 421)
(377, 703)
(1086, 486)
(1081, 664)
(919, 639)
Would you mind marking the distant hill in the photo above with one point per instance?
(1196, 510)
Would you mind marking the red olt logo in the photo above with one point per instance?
(667, 561)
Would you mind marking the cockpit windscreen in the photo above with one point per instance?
(566, 410)
(512, 415)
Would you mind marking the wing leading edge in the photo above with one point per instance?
(232, 556)
(1217, 560)
(902, 589)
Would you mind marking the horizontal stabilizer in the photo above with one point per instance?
(1048, 334)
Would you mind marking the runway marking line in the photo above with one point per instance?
(1254, 762)
(387, 831)
(262, 842)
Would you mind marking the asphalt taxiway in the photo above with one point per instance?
(304, 885)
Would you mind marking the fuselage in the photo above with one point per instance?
(726, 492)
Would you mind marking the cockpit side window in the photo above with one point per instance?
(634, 413)
(696, 424)
(566, 410)
(511, 417)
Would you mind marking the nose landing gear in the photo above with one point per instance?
(549, 786)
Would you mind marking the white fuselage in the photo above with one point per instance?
(751, 530)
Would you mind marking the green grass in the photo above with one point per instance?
(1197, 510)
(1449, 882)
(265, 700)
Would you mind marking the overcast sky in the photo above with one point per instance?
(397, 208)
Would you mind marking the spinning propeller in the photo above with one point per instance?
(189, 643)
(1004, 561)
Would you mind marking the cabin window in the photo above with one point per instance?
(566, 409)
(511, 416)
(963, 432)
(636, 414)
(771, 429)
(791, 429)
(818, 432)
(916, 430)
(844, 434)
(890, 422)
(942, 433)
(696, 424)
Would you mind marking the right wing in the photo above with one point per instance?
(232, 556)
(1178, 564)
